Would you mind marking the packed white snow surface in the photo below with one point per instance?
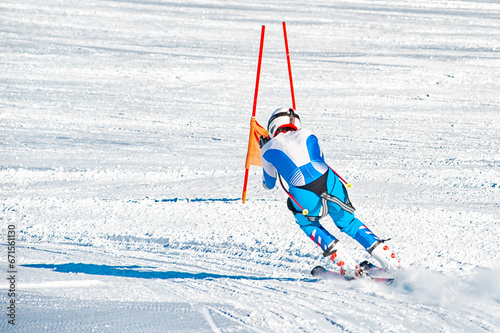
(123, 133)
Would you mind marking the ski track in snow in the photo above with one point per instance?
(123, 132)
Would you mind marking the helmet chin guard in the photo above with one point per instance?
(283, 118)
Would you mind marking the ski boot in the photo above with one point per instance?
(348, 267)
(385, 257)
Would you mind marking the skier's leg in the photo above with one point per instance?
(344, 220)
(360, 232)
(356, 229)
(330, 246)
(365, 237)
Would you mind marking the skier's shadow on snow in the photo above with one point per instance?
(143, 272)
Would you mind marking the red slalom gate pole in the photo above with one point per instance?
(254, 110)
(289, 65)
(259, 65)
(244, 195)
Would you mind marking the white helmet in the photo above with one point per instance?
(283, 118)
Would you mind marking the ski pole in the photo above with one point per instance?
(304, 211)
(349, 185)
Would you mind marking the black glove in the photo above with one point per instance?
(263, 140)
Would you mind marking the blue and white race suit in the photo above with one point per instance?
(297, 157)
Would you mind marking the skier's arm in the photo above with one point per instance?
(268, 181)
(269, 174)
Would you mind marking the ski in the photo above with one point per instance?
(373, 273)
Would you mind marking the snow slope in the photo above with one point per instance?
(123, 129)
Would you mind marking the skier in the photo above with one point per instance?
(315, 190)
